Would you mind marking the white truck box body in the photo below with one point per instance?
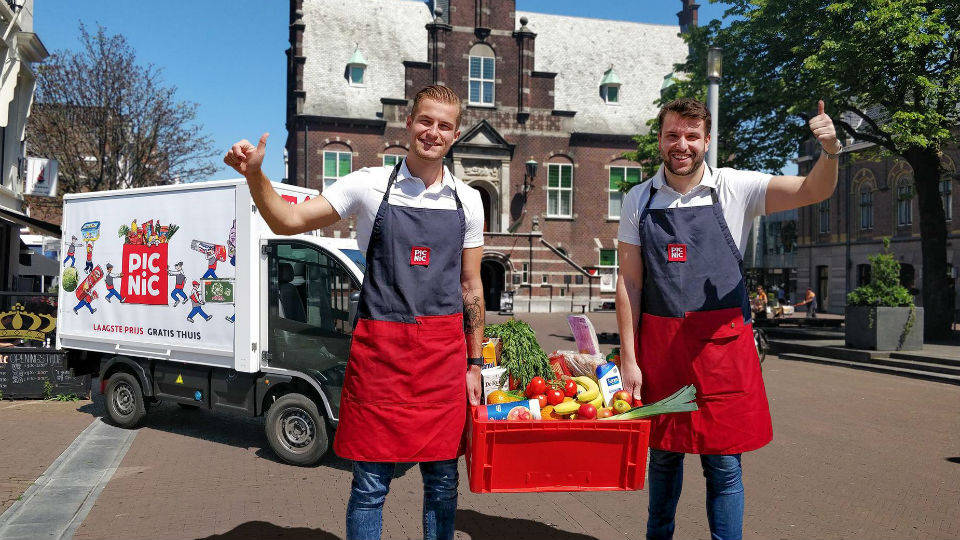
(130, 229)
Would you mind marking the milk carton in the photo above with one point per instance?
(608, 377)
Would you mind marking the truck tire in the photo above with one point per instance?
(124, 399)
(296, 431)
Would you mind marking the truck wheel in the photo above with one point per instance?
(296, 430)
(124, 399)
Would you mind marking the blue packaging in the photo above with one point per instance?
(502, 411)
(608, 377)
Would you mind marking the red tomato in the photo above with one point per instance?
(637, 403)
(570, 388)
(536, 387)
(542, 398)
(554, 396)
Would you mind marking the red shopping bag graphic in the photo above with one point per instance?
(144, 274)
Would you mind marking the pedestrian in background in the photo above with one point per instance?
(810, 300)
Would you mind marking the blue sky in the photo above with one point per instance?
(228, 55)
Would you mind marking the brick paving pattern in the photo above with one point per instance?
(855, 455)
(32, 435)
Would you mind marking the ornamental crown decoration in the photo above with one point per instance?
(19, 323)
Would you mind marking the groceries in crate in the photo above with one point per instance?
(517, 410)
(579, 363)
(683, 400)
(584, 334)
(608, 377)
(559, 366)
(492, 350)
(567, 385)
(493, 381)
(521, 356)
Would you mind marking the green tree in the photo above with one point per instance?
(888, 70)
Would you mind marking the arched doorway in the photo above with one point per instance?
(485, 199)
(490, 199)
(492, 273)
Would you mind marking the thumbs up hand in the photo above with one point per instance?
(822, 127)
(246, 158)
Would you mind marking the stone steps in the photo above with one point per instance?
(905, 368)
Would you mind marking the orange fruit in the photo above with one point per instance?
(499, 396)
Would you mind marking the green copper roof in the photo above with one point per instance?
(610, 77)
(668, 81)
(357, 58)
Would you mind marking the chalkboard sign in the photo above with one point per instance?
(23, 372)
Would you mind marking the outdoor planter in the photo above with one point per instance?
(884, 328)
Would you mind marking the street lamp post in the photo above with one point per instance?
(714, 62)
(530, 170)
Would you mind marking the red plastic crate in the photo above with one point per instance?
(562, 455)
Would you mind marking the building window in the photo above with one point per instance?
(525, 274)
(904, 204)
(391, 160)
(356, 75)
(608, 270)
(559, 190)
(619, 176)
(336, 165)
(863, 274)
(482, 79)
(866, 207)
(610, 87)
(545, 279)
(356, 67)
(825, 216)
(946, 195)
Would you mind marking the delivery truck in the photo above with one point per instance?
(182, 294)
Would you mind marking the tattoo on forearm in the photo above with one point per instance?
(472, 314)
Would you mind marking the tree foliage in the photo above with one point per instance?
(888, 71)
(884, 288)
(111, 122)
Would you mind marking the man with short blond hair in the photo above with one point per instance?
(420, 318)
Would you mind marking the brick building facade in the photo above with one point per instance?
(561, 97)
(875, 198)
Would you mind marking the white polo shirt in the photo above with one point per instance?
(360, 192)
(742, 195)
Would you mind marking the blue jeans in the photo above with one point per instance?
(724, 494)
(371, 482)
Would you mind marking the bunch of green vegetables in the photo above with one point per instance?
(522, 357)
(681, 401)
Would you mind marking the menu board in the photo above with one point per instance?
(23, 372)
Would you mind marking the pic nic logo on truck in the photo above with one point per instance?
(144, 273)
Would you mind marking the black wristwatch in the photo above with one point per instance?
(478, 361)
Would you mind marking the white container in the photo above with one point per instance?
(491, 380)
(608, 377)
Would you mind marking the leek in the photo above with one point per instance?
(681, 401)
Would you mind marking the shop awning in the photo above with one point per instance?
(22, 219)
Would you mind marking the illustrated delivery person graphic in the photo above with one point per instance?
(196, 299)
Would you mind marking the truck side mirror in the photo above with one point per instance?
(354, 305)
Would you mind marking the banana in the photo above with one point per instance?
(591, 392)
(567, 407)
(597, 401)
